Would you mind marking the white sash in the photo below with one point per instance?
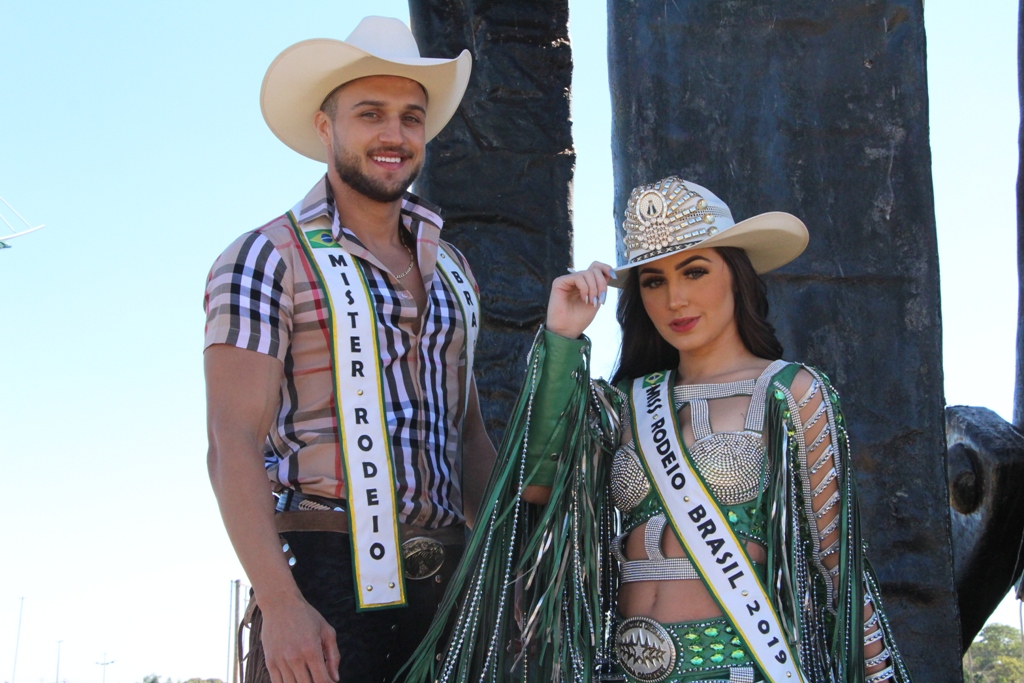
(362, 426)
(708, 538)
(469, 304)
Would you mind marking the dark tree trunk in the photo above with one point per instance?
(502, 170)
(821, 109)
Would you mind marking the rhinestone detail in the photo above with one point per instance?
(629, 482)
(731, 464)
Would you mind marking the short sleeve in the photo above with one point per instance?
(248, 301)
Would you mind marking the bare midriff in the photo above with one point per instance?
(672, 601)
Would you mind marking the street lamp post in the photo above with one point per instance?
(56, 679)
(17, 639)
(105, 663)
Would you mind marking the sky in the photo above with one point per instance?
(133, 131)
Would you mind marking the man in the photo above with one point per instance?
(339, 361)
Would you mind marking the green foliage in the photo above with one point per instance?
(995, 656)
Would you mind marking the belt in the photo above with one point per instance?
(700, 652)
(423, 550)
(289, 500)
(327, 520)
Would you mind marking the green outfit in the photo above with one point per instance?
(546, 577)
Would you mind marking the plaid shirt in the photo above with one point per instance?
(262, 295)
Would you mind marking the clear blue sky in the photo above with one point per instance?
(133, 131)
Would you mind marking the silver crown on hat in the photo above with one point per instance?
(660, 217)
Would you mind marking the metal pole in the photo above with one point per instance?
(17, 639)
(105, 663)
(231, 640)
(56, 679)
(234, 650)
(1020, 617)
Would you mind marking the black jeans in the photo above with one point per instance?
(374, 645)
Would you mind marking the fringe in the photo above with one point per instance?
(829, 639)
(534, 575)
(544, 576)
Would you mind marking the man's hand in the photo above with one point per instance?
(298, 644)
(243, 390)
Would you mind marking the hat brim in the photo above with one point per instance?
(771, 240)
(301, 77)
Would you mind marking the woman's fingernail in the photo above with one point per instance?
(604, 296)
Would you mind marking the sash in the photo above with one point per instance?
(366, 456)
(469, 304)
(708, 538)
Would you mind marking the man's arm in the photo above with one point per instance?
(242, 399)
(478, 456)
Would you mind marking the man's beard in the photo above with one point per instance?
(348, 168)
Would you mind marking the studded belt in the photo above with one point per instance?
(694, 652)
(423, 550)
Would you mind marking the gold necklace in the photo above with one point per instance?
(412, 262)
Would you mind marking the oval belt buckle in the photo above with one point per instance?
(422, 557)
(645, 649)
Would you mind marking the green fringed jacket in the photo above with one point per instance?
(533, 598)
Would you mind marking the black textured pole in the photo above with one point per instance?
(1018, 396)
(821, 109)
(502, 170)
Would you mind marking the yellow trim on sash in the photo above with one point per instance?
(321, 238)
(757, 591)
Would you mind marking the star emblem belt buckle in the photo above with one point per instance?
(645, 649)
(422, 557)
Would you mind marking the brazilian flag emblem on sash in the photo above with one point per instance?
(320, 239)
(654, 378)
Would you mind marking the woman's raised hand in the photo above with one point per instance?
(575, 299)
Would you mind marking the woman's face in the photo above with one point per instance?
(689, 298)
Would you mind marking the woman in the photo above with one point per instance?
(725, 468)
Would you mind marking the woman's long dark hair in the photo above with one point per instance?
(645, 351)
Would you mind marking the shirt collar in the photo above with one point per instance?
(421, 218)
(319, 201)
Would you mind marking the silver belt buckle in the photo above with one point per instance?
(645, 649)
(422, 557)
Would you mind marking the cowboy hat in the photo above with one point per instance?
(673, 215)
(300, 79)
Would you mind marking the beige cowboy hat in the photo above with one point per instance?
(673, 215)
(300, 79)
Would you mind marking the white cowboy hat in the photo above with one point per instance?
(675, 215)
(301, 77)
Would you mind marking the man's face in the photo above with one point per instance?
(377, 135)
